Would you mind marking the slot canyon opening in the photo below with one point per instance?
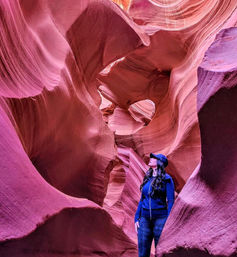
(126, 121)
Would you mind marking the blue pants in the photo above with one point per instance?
(149, 229)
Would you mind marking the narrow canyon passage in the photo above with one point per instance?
(88, 89)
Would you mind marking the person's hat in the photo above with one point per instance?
(160, 157)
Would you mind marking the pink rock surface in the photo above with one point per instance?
(37, 219)
(166, 73)
(87, 91)
(54, 142)
(203, 222)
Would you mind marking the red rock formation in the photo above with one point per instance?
(203, 222)
(71, 164)
(166, 73)
(51, 125)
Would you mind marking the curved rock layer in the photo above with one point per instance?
(166, 73)
(71, 162)
(67, 234)
(203, 222)
(59, 124)
(54, 141)
(37, 219)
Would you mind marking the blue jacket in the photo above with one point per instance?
(148, 202)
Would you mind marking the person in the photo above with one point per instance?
(157, 199)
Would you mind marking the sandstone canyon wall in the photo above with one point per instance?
(87, 90)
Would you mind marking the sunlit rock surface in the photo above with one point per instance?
(87, 90)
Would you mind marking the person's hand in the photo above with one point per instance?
(136, 225)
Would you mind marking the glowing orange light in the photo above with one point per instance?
(124, 4)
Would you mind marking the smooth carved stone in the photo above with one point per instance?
(87, 91)
(203, 221)
(54, 142)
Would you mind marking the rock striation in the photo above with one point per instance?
(87, 90)
(206, 206)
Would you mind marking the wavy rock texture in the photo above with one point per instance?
(53, 137)
(88, 89)
(206, 207)
(166, 73)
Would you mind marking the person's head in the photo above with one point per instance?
(161, 160)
